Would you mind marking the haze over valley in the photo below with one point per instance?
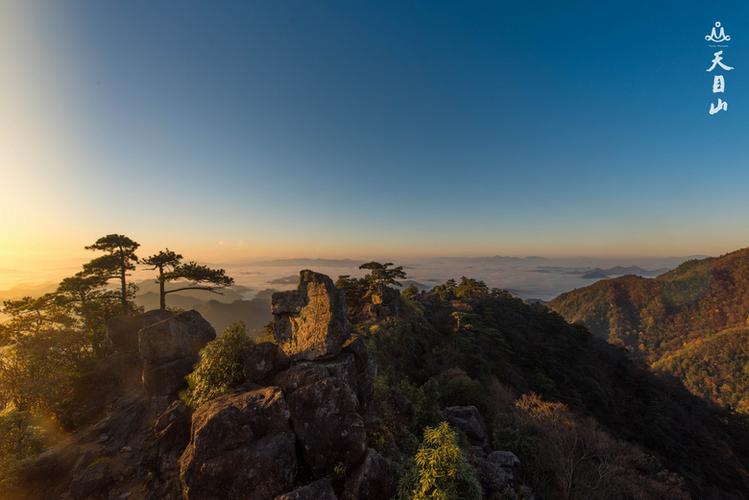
(526, 277)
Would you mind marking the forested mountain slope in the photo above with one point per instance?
(483, 347)
(715, 367)
(655, 316)
(688, 322)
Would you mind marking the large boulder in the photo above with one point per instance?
(122, 371)
(166, 379)
(329, 429)
(318, 490)
(468, 420)
(365, 368)
(372, 480)
(343, 367)
(169, 349)
(180, 336)
(122, 331)
(354, 368)
(300, 375)
(311, 322)
(263, 361)
(496, 470)
(241, 446)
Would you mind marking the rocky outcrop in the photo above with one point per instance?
(97, 462)
(364, 368)
(307, 424)
(329, 429)
(122, 371)
(372, 480)
(353, 367)
(159, 347)
(180, 336)
(169, 350)
(241, 446)
(381, 301)
(172, 427)
(297, 419)
(122, 331)
(265, 360)
(496, 470)
(468, 420)
(311, 322)
(168, 378)
(319, 490)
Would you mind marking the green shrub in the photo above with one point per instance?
(440, 469)
(39, 372)
(456, 388)
(19, 439)
(221, 366)
(397, 426)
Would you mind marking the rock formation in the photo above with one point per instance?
(122, 331)
(307, 424)
(311, 322)
(157, 348)
(295, 429)
(372, 480)
(169, 350)
(241, 446)
(468, 419)
(496, 469)
(329, 429)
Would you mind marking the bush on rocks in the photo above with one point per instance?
(221, 366)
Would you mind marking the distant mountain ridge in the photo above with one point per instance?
(676, 320)
(309, 262)
(658, 315)
(27, 290)
(220, 310)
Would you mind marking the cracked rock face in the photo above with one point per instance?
(156, 349)
(169, 348)
(179, 336)
(311, 322)
(372, 480)
(241, 446)
(468, 419)
(330, 431)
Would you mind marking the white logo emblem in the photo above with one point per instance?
(716, 36)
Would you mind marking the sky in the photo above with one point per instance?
(242, 130)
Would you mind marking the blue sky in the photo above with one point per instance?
(238, 129)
